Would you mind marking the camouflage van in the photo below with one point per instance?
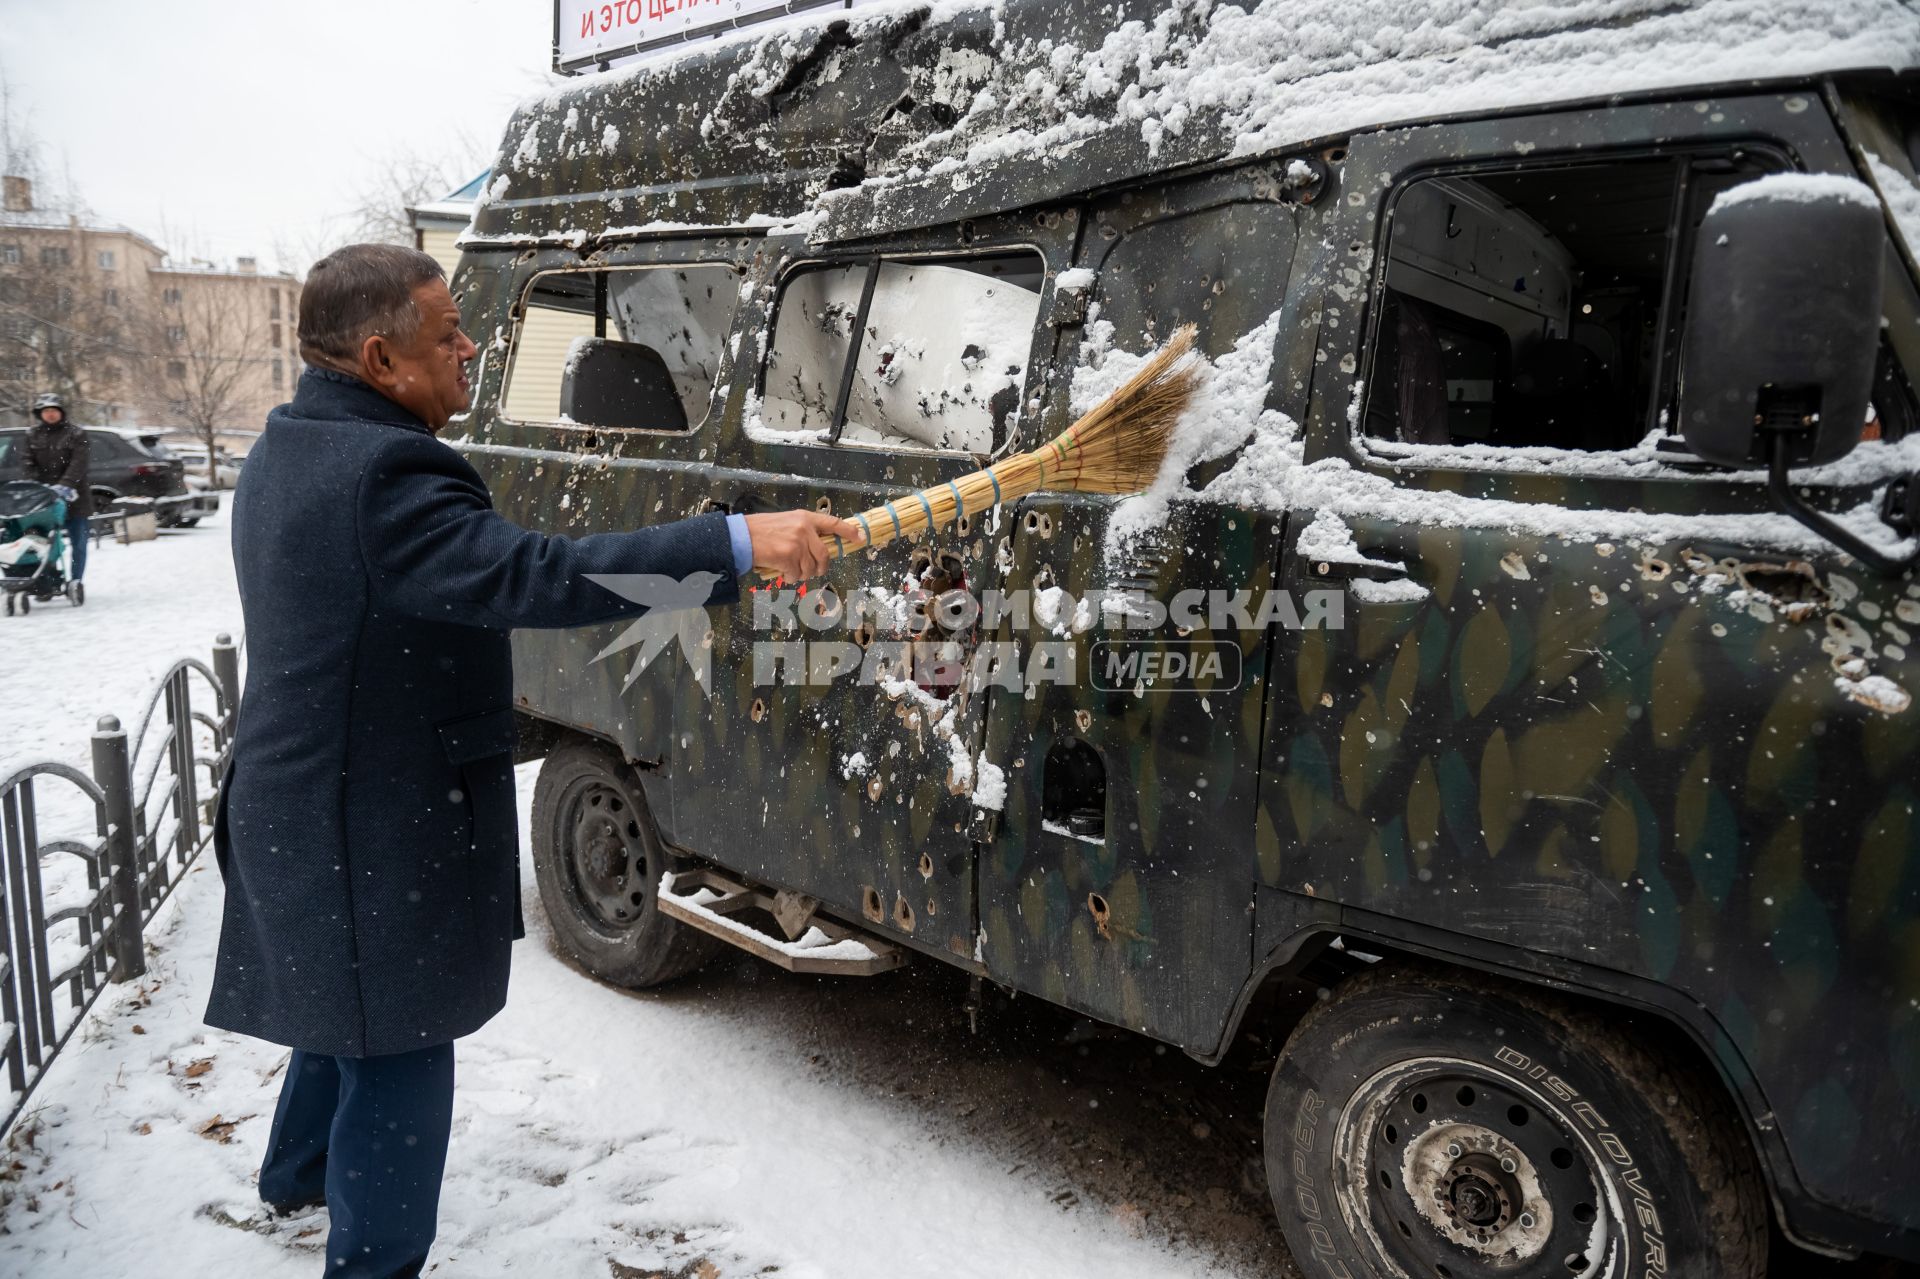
(1516, 656)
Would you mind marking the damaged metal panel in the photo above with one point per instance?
(1685, 760)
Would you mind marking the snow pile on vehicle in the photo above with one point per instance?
(1796, 188)
(1251, 80)
(1080, 94)
(1231, 419)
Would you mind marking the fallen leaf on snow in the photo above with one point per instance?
(220, 1130)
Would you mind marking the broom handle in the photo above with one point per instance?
(974, 493)
(931, 508)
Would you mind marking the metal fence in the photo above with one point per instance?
(73, 907)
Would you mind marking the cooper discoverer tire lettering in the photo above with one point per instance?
(1428, 1124)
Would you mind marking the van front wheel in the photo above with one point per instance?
(1428, 1124)
(598, 859)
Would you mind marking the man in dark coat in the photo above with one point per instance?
(367, 832)
(57, 454)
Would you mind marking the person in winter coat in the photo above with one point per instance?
(56, 454)
(366, 830)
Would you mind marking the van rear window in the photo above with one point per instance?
(636, 348)
(941, 358)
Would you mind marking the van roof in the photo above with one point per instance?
(912, 114)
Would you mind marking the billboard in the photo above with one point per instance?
(590, 33)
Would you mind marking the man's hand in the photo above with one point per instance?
(792, 544)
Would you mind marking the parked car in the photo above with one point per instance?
(226, 472)
(1575, 876)
(127, 468)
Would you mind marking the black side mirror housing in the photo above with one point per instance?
(1783, 321)
(1783, 329)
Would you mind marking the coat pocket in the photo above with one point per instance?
(481, 748)
(475, 737)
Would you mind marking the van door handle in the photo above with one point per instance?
(1374, 568)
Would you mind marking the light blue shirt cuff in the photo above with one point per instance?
(742, 544)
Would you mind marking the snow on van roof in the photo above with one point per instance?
(849, 113)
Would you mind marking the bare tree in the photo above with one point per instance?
(409, 179)
(63, 326)
(208, 336)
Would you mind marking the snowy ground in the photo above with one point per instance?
(739, 1123)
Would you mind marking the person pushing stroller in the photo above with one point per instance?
(56, 454)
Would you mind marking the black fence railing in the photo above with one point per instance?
(74, 906)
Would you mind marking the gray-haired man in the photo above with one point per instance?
(367, 832)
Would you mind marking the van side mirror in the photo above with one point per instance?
(1783, 327)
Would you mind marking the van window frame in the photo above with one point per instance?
(873, 259)
(716, 395)
(1681, 467)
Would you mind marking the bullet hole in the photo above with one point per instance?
(919, 561)
(823, 607)
(824, 505)
(1097, 906)
(964, 525)
(902, 915)
(1083, 720)
(758, 711)
(875, 788)
(932, 910)
(1792, 588)
(1654, 570)
(1039, 522)
(863, 635)
(1334, 155)
(926, 866)
(870, 904)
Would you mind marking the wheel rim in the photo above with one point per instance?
(607, 862)
(1454, 1170)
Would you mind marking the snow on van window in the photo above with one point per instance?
(942, 358)
(670, 320)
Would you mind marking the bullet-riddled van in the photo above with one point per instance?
(1503, 698)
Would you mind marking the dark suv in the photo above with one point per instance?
(125, 465)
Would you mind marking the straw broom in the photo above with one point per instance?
(1117, 447)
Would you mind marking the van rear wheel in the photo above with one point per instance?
(598, 859)
(1438, 1125)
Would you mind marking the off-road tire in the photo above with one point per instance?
(1445, 1079)
(597, 852)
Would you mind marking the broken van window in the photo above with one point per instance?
(1539, 307)
(942, 356)
(632, 348)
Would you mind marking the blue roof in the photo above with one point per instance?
(471, 191)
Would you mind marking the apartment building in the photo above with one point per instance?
(101, 314)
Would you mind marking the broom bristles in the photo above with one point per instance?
(1117, 446)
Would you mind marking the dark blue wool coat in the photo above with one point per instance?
(367, 831)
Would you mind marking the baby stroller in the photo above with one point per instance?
(33, 546)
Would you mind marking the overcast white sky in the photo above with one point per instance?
(225, 127)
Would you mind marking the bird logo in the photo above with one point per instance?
(675, 606)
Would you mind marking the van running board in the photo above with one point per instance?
(708, 901)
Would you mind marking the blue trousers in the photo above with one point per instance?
(369, 1135)
(78, 537)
